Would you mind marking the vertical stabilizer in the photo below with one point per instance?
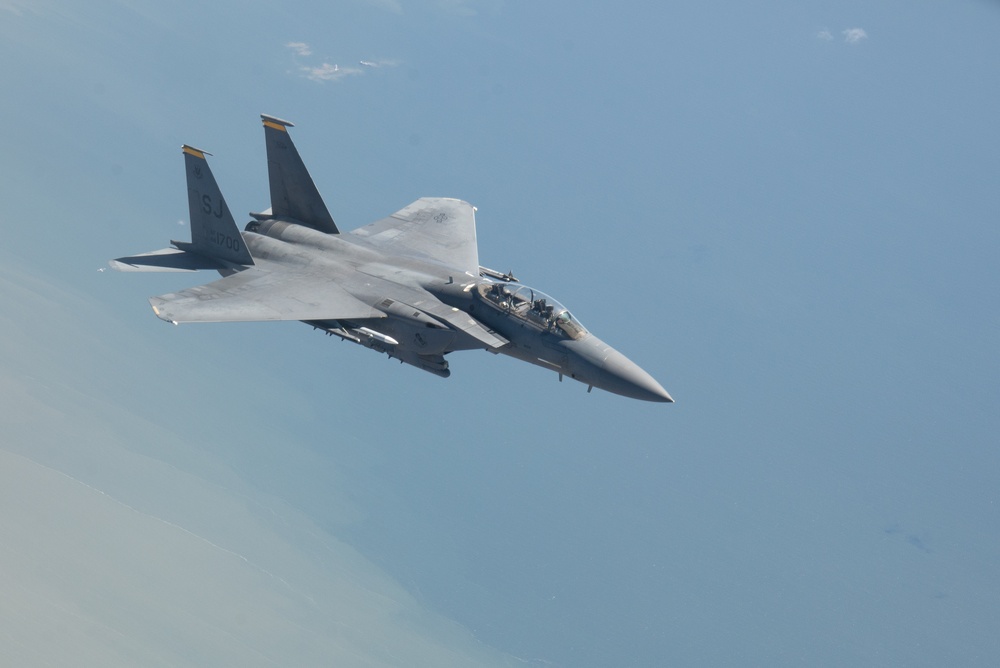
(293, 193)
(214, 233)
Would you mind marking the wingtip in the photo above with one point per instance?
(156, 302)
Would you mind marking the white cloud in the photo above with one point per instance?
(824, 35)
(328, 72)
(854, 35)
(375, 64)
(300, 48)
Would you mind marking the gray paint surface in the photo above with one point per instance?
(394, 286)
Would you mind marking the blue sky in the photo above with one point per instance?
(786, 212)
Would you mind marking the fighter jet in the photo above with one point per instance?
(409, 285)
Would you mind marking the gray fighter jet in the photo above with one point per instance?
(409, 285)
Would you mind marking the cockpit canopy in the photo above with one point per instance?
(533, 306)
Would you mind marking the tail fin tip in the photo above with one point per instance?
(196, 152)
(276, 123)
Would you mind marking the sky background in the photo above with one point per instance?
(787, 212)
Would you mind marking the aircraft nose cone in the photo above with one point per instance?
(626, 377)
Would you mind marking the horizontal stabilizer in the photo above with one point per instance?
(256, 295)
(165, 259)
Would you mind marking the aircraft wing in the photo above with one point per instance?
(257, 294)
(166, 259)
(439, 229)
